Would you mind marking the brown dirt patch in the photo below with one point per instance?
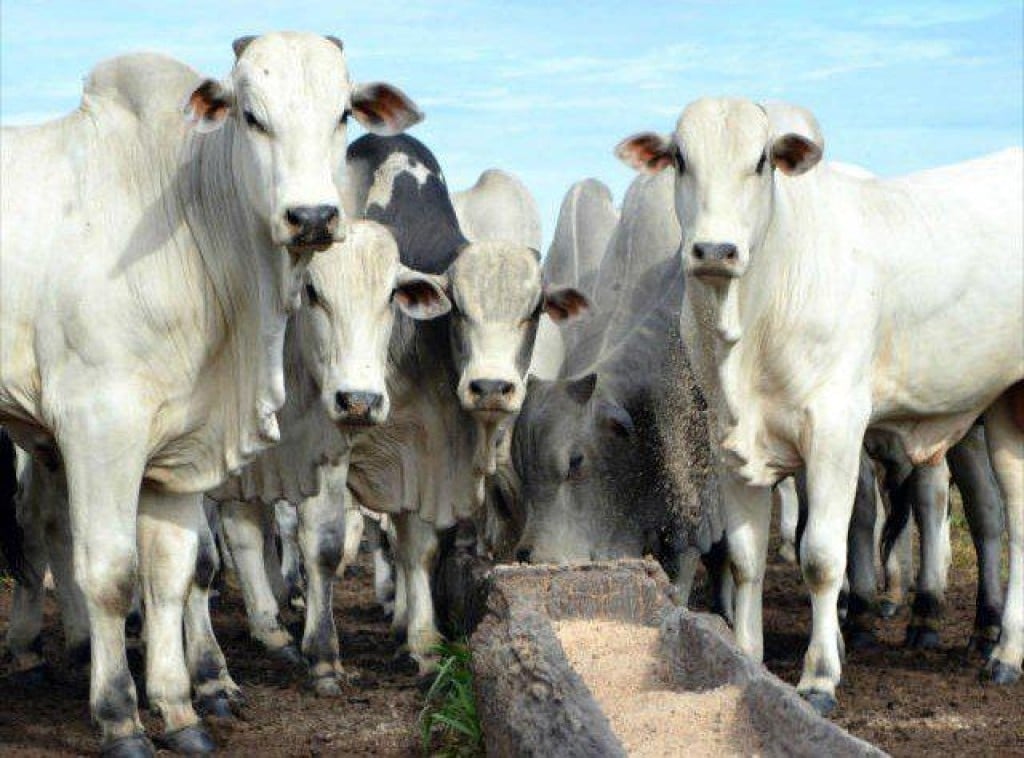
(375, 715)
(910, 703)
(620, 665)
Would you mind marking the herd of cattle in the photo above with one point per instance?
(317, 338)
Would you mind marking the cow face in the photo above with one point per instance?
(575, 458)
(289, 98)
(351, 300)
(497, 299)
(724, 153)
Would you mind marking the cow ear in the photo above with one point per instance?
(647, 152)
(383, 109)
(336, 42)
(241, 43)
(208, 106)
(582, 389)
(565, 303)
(794, 154)
(421, 296)
(615, 419)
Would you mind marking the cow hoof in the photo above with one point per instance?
(136, 746)
(326, 686)
(997, 672)
(190, 740)
(404, 663)
(887, 609)
(288, 654)
(217, 706)
(399, 634)
(822, 702)
(425, 681)
(922, 638)
(862, 639)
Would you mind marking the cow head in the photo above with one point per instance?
(497, 298)
(725, 153)
(351, 300)
(289, 98)
(574, 452)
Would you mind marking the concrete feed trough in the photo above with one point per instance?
(598, 661)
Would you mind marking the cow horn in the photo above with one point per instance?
(240, 44)
(336, 41)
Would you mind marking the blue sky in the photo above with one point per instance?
(546, 89)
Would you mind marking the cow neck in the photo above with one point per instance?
(249, 283)
(788, 303)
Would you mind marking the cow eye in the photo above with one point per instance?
(253, 123)
(575, 472)
(344, 117)
(761, 163)
(311, 294)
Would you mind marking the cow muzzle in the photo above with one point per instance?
(313, 227)
(359, 408)
(716, 260)
(492, 399)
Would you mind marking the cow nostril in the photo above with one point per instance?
(698, 252)
(731, 253)
(523, 555)
(292, 217)
(330, 214)
(491, 387)
(341, 401)
(507, 388)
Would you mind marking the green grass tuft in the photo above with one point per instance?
(449, 726)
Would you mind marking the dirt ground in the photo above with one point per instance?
(376, 714)
(908, 702)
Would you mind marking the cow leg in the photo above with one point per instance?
(321, 538)
(215, 690)
(243, 529)
(897, 570)
(983, 506)
(24, 640)
(861, 612)
(285, 574)
(168, 534)
(104, 456)
(383, 582)
(354, 528)
(929, 490)
(789, 513)
(416, 551)
(832, 467)
(73, 612)
(1004, 430)
(748, 514)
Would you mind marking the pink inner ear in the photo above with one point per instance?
(206, 106)
(417, 295)
(645, 152)
(564, 304)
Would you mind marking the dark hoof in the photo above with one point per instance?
(326, 686)
(37, 676)
(217, 706)
(862, 639)
(922, 638)
(404, 663)
(136, 746)
(887, 609)
(997, 672)
(289, 654)
(981, 645)
(822, 702)
(192, 740)
(400, 635)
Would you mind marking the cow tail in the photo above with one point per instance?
(12, 537)
(900, 505)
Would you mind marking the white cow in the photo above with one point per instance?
(827, 306)
(147, 267)
(336, 371)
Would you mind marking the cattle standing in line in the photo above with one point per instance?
(825, 306)
(147, 271)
